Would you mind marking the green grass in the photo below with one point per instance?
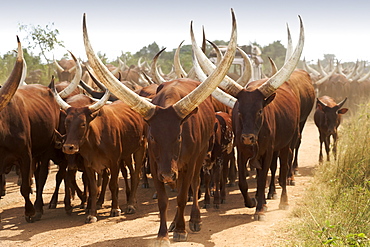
(335, 210)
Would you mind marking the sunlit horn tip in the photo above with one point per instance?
(18, 39)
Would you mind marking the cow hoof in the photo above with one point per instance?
(231, 184)
(38, 216)
(145, 185)
(52, 206)
(272, 196)
(284, 206)
(195, 227)
(29, 219)
(223, 201)
(163, 242)
(82, 206)
(292, 183)
(253, 203)
(115, 212)
(259, 217)
(180, 236)
(172, 227)
(216, 206)
(91, 219)
(155, 195)
(99, 206)
(69, 211)
(130, 209)
(296, 172)
(206, 205)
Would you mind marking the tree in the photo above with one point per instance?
(43, 38)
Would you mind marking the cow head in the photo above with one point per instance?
(251, 114)
(332, 114)
(77, 120)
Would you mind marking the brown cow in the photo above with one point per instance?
(216, 163)
(265, 123)
(28, 117)
(327, 118)
(106, 136)
(180, 119)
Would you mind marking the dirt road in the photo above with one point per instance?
(231, 225)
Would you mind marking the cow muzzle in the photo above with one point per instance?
(248, 139)
(70, 149)
(167, 177)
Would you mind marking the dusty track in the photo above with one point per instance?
(231, 225)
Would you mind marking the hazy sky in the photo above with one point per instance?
(331, 27)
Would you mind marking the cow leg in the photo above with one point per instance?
(135, 178)
(41, 175)
(335, 137)
(207, 180)
(113, 186)
(125, 177)
(327, 147)
(284, 165)
(179, 232)
(162, 237)
(272, 190)
(61, 174)
(232, 169)
(2, 185)
(243, 185)
(261, 184)
(224, 174)
(321, 157)
(216, 180)
(104, 182)
(93, 192)
(25, 170)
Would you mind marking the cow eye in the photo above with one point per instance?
(179, 138)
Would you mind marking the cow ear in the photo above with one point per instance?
(94, 114)
(191, 113)
(342, 111)
(269, 99)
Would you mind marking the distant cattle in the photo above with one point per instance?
(327, 118)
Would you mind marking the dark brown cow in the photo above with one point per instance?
(327, 118)
(216, 162)
(28, 118)
(181, 120)
(265, 123)
(106, 136)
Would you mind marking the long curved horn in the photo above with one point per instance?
(95, 80)
(156, 76)
(143, 107)
(228, 85)
(75, 81)
(96, 106)
(340, 104)
(219, 55)
(274, 68)
(180, 72)
(57, 65)
(218, 94)
(364, 77)
(10, 86)
(321, 69)
(289, 49)
(248, 72)
(325, 78)
(24, 74)
(187, 104)
(63, 105)
(309, 69)
(284, 73)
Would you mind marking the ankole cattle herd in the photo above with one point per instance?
(187, 145)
